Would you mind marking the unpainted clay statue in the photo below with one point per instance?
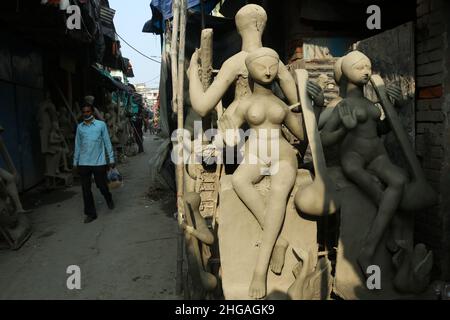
(250, 22)
(418, 193)
(9, 181)
(413, 267)
(50, 142)
(66, 124)
(111, 118)
(197, 236)
(354, 125)
(46, 116)
(265, 113)
(393, 91)
(311, 282)
(60, 148)
(57, 152)
(9, 177)
(14, 225)
(122, 125)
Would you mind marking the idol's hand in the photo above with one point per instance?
(228, 130)
(347, 115)
(394, 92)
(316, 93)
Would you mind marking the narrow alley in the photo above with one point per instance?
(127, 253)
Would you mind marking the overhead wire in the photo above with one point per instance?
(152, 79)
(143, 54)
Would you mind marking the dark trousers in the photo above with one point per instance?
(99, 173)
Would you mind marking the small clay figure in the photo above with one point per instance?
(46, 116)
(59, 147)
(50, 140)
(9, 178)
(413, 265)
(311, 282)
(111, 118)
(66, 125)
(14, 225)
(198, 236)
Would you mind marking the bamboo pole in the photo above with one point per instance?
(174, 51)
(180, 110)
(178, 84)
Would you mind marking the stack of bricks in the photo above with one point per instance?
(320, 68)
(432, 130)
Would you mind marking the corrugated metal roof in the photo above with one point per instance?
(107, 14)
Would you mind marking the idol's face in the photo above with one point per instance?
(360, 72)
(264, 69)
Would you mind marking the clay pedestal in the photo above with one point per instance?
(240, 234)
(357, 210)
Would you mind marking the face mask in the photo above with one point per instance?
(88, 118)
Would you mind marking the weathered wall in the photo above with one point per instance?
(432, 124)
(341, 22)
(21, 90)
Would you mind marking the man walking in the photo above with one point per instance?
(91, 140)
(137, 130)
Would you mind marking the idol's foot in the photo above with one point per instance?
(257, 288)
(278, 257)
(364, 260)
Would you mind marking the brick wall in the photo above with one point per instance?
(432, 128)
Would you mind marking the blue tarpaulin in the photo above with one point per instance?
(162, 10)
(165, 6)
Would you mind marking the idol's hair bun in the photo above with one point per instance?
(344, 63)
(261, 52)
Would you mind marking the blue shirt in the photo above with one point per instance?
(91, 141)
